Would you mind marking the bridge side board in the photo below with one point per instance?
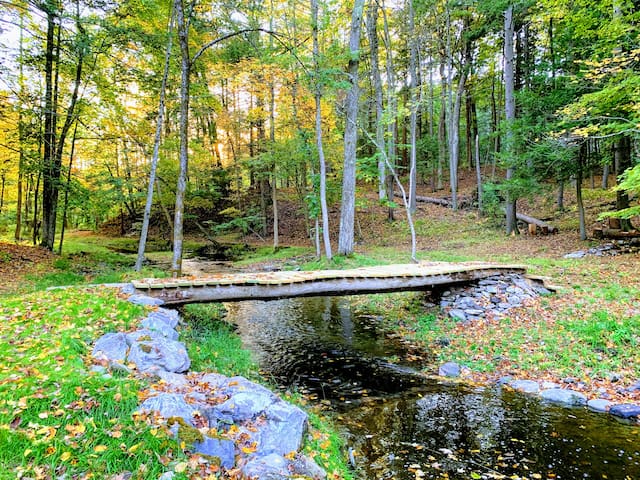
(198, 293)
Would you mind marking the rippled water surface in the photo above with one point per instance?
(402, 425)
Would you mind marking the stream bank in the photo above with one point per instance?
(233, 425)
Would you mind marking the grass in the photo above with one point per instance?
(57, 418)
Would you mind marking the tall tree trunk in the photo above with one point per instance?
(392, 108)
(442, 127)
(372, 22)
(156, 148)
(510, 115)
(347, 210)
(622, 158)
(413, 87)
(181, 187)
(580, 204)
(21, 133)
(478, 174)
(49, 190)
(66, 190)
(319, 144)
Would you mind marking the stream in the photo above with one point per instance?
(401, 425)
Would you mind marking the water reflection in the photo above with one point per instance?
(403, 426)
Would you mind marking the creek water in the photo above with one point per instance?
(401, 425)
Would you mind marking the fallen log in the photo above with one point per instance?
(545, 228)
(614, 233)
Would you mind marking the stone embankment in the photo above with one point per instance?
(497, 295)
(232, 423)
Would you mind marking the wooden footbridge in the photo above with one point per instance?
(286, 284)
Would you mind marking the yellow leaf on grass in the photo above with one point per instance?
(135, 447)
(27, 452)
(99, 448)
(180, 467)
(65, 456)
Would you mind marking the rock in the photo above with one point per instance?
(167, 476)
(171, 317)
(474, 312)
(145, 300)
(443, 341)
(525, 386)
(218, 420)
(449, 369)
(223, 449)
(246, 405)
(549, 385)
(457, 314)
(626, 410)
(284, 429)
(215, 380)
(167, 354)
(239, 384)
(145, 335)
(578, 254)
(112, 347)
(563, 396)
(270, 467)
(306, 467)
(169, 405)
(467, 303)
(161, 326)
(634, 388)
(599, 404)
(174, 380)
(504, 380)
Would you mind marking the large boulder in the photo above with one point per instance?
(169, 405)
(167, 354)
(111, 347)
(246, 405)
(270, 467)
(449, 369)
(145, 300)
(284, 429)
(222, 449)
(160, 325)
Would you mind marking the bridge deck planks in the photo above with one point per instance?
(285, 284)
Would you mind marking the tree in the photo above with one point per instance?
(347, 208)
(510, 115)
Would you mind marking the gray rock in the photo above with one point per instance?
(112, 347)
(145, 335)
(284, 429)
(160, 325)
(449, 369)
(474, 312)
(466, 303)
(218, 420)
(239, 384)
(126, 288)
(215, 380)
(457, 314)
(223, 449)
(626, 410)
(172, 379)
(269, 467)
(246, 405)
(504, 380)
(306, 467)
(564, 396)
(599, 405)
(172, 317)
(549, 385)
(633, 388)
(578, 254)
(164, 353)
(526, 386)
(145, 300)
(169, 405)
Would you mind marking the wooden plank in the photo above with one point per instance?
(330, 282)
